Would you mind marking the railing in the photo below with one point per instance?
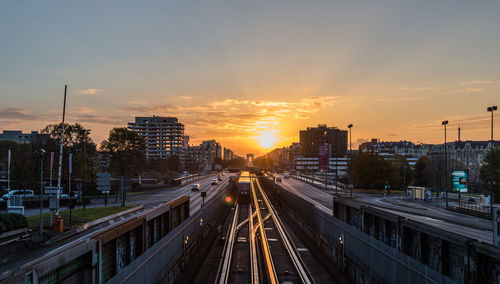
(474, 206)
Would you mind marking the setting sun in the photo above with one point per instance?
(267, 140)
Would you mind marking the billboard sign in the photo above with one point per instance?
(324, 157)
(460, 181)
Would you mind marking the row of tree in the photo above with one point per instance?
(124, 148)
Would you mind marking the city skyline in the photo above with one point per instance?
(247, 74)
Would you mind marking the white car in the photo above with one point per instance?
(195, 187)
(214, 182)
(23, 193)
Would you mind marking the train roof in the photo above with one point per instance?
(244, 177)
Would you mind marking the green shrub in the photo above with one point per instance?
(12, 221)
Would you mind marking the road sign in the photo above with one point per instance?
(52, 190)
(460, 180)
(104, 182)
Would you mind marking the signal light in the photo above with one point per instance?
(228, 199)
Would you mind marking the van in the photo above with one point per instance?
(23, 193)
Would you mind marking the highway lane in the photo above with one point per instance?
(151, 201)
(323, 199)
(157, 196)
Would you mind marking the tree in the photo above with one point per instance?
(425, 172)
(485, 174)
(126, 150)
(73, 133)
(404, 169)
(369, 170)
(77, 141)
(174, 164)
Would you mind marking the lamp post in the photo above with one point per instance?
(444, 123)
(42, 152)
(492, 109)
(350, 154)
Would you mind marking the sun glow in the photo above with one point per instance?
(267, 140)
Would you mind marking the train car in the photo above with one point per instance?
(244, 187)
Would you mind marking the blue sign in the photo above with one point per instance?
(460, 180)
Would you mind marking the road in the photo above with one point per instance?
(429, 214)
(149, 201)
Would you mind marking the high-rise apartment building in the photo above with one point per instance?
(164, 136)
(313, 137)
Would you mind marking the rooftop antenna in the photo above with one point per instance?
(61, 150)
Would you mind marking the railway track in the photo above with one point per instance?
(257, 248)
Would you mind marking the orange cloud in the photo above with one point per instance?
(90, 91)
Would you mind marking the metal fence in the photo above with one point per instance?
(164, 261)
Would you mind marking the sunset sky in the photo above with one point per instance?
(239, 70)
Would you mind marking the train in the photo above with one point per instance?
(243, 189)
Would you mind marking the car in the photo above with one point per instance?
(278, 179)
(286, 175)
(23, 193)
(195, 187)
(219, 178)
(214, 182)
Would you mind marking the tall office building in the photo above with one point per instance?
(164, 136)
(313, 137)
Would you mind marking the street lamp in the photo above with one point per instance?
(492, 109)
(350, 153)
(42, 152)
(444, 123)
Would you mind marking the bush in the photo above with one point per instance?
(12, 221)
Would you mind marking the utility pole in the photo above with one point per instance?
(61, 150)
(444, 123)
(492, 160)
(42, 152)
(70, 171)
(84, 176)
(350, 154)
(8, 171)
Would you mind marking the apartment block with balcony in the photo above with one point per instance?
(164, 136)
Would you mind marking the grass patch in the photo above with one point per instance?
(78, 216)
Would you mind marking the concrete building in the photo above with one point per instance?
(164, 136)
(311, 164)
(388, 149)
(20, 137)
(228, 154)
(313, 137)
(210, 151)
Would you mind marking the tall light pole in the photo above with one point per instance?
(350, 153)
(42, 152)
(444, 123)
(492, 109)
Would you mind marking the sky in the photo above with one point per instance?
(251, 74)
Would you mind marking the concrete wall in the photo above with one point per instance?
(373, 249)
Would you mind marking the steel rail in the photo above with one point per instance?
(254, 269)
(297, 261)
(271, 271)
(223, 276)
